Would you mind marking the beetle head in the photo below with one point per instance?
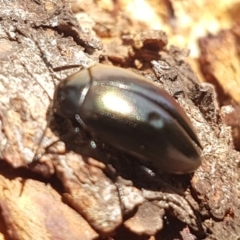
(71, 93)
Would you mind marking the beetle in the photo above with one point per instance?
(132, 114)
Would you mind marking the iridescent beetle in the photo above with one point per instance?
(130, 113)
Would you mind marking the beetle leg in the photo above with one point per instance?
(62, 138)
(111, 173)
(120, 195)
(93, 144)
(80, 121)
(148, 171)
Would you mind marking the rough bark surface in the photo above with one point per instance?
(220, 63)
(69, 193)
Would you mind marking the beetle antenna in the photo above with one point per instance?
(37, 155)
(49, 66)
